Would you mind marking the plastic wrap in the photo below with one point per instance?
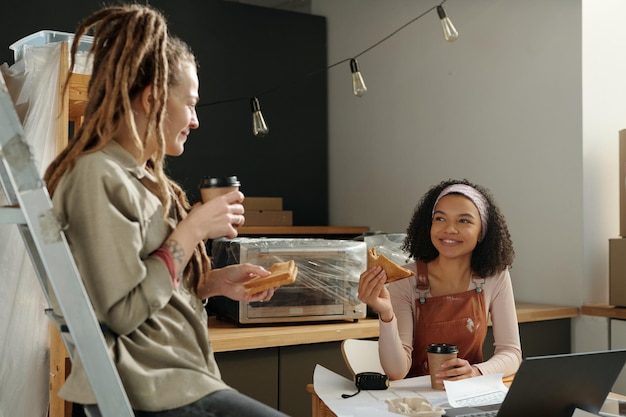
(326, 286)
(390, 245)
(323, 264)
(24, 346)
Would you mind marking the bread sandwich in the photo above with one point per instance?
(282, 273)
(394, 271)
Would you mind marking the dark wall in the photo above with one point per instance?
(243, 51)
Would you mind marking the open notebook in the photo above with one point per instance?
(555, 386)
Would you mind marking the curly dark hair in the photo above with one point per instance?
(492, 255)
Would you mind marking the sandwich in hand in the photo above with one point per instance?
(394, 271)
(282, 273)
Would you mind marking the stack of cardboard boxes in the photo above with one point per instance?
(617, 246)
(266, 211)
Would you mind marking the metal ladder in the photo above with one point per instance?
(30, 208)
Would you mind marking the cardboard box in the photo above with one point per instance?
(263, 203)
(622, 183)
(269, 218)
(617, 272)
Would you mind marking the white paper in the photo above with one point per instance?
(480, 390)
(611, 407)
(329, 386)
(582, 413)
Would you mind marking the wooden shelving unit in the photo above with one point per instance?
(71, 108)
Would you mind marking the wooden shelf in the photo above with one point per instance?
(302, 230)
(77, 96)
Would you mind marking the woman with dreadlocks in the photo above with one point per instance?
(138, 244)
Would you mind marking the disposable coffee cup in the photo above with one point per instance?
(437, 354)
(211, 187)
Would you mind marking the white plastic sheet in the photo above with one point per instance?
(24, 344)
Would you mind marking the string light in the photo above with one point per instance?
(449, 31)
(358, 85)
(259, 127)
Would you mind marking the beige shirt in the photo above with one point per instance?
(158, 336)
(396, 336)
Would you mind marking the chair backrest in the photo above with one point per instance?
(361, 355)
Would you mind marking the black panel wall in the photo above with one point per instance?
(242, 51)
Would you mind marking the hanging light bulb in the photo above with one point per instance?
(449, 31)
(259, 128)
(358, 85)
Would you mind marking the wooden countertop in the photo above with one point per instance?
(529, 312)
(604, 310)
(227, 336)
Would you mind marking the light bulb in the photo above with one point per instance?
(259, 128)
(358, 85)
(449, 31)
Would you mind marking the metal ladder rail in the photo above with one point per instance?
(49, 251)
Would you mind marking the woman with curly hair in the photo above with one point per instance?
(463, 251)
(137, 242)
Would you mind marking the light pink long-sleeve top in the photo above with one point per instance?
(396, 337)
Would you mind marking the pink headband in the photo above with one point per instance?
(477, 198)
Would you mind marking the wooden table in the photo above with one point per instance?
(320, 409)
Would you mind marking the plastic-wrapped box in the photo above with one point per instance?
(45, 37)
(325, 289)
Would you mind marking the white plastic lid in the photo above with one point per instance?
(44, 37)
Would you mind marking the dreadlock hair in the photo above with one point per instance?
(131, 51)
(493, 254)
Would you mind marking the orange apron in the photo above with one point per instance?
(458, 319)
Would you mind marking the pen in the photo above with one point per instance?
(508, 379)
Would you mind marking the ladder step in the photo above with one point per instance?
(11, 215)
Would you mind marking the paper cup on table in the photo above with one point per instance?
(211, 187)
(437, 354)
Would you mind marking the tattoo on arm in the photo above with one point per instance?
(176, 250)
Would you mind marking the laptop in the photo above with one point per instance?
(555, 385)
